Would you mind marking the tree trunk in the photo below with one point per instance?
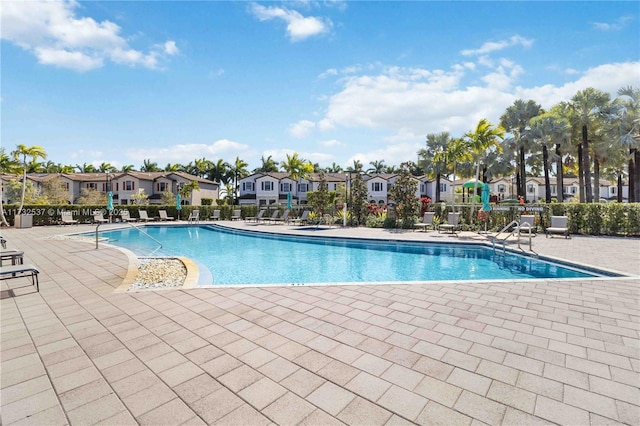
(437, 187)
(523, 175)
(619, 187)
(632, 181)
(596, 179)
(580, 174)
(518, 183)
(559, 176)
(475, 189)
(547, 183)
(587, 166)
(3, 219)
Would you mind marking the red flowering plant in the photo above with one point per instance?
(424, 204)
(483, 215)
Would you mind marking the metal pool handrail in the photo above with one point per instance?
(504, 240)
(133, 226)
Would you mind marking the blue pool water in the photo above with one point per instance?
(244, 257)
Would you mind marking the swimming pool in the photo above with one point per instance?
(246, 257)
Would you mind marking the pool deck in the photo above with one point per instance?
(518, 352)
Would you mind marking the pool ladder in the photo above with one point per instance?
(133, 226)
(515, 231)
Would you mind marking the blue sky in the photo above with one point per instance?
(335, 81)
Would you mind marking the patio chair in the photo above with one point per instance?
(16, 256)
(283, 219)
(452, 225)
(98, 217)
(427, 221)
(163, 215)
(527, 223)
(216, 215)
(3, 242)
(144, 216)
(125, 216)
(237, 215)
(20, 271)
(67, 218)
(558, 226)
(194, 217)
(302, 219)
(255, 218)
(273, 216)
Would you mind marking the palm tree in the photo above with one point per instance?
(23, 151)
(357, 167)
(127, 168)
(202, 166)
(334, 168)
(586, 106)
(86, 168)
(220, 171)
(268, 165)
(106, 167)
(172, 167)
(377, 167)
(547, 129)
(149, 166)
(434, 158)
(239, 170)
(480, 141)
(457, 152)
(10, 166)
(515, 121)
(628, 103)
(298, 168)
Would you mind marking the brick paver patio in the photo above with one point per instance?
(525, 352)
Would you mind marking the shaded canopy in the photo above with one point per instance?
(471, 184)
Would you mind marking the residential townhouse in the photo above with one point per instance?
(274, 187)
(124, 185)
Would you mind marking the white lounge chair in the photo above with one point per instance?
(452, 224)
(144, 216)
(273, 216)
(427, 221)
(16, 256)
(237, 215)
(255, 218)
(163, 215)
(67, 218)
(98, 217)
(558, 226)
(216, 215)
(527, 223)
(283, 219)
(19, 271)
(125, 216)
(302, 219)
(194, 217)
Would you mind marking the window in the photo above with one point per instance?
(267, 186)
(302, 187)
(376, 186)
(443, 187)
(553, 190)
(162, 187)
(613, 190)
(573, 190)
(66, 186)
(91, 185)
(502, 188)
(128, 185)
(422, 191)
(388, 187)
(247, 186)
(285, 187)
(531, 188)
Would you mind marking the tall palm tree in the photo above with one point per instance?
(175, 167)
(20, 154)
(357, 167)
(334, 168)
(220, 171)
(202, 166)
(481, 140)
(628, 103)
(149, 166)
(586, 106)
(127, 168)
(376, 167)
(239, 170)
(10, 166)
(433, 158)
(268, 165)
(457, 152)
(547, 129)
(86, 168)
(515, 121)
(106, 167)
(298, 168)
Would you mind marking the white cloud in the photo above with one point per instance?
(619, 24)
(299, 27)
(56, 36)
(183, 153)
(302, 128)
(492, 46)
(331, 143)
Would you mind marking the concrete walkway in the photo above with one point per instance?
(526, 352)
